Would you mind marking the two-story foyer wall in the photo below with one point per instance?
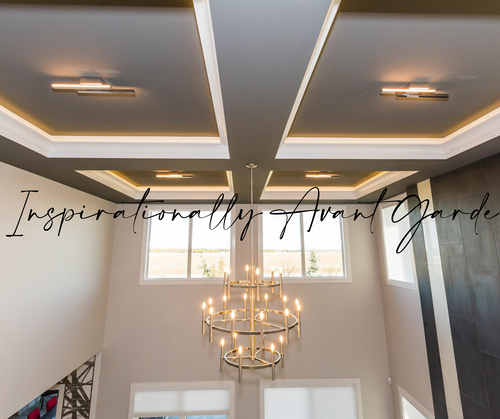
(53, 290)
(153, 331)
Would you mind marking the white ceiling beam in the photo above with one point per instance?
(323, 35)
(207, 39)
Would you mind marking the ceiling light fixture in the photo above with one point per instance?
(322, 175)
(414, 91)
(93, 86)
(249, 327)
(174, 176)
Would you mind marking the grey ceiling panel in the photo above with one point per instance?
(154, 50)
(365, 52)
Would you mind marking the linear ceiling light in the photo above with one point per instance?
(174, 176)
(414, 91)
(322, 175)
(93, 86)
(94, 83)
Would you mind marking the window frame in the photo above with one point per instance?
(317, 382)
(146, 230)
(396, 282)
(304, 279)
(189, 385)
(403, 394)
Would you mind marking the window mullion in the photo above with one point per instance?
(190, 248)
(302, 246)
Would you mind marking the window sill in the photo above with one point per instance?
(403, 284)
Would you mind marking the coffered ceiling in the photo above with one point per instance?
(290, 85)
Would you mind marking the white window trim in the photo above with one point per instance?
(146, 227)
(191, 385)
(327, 382)
(394, 282)
(402, 393)
(346, 279)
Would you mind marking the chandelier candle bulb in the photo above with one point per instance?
(224, 285)
(203, 307)
(221, 354)
(210, 302)
(211, 311)
(282, 352)
(284, 302)
(266, 298)
(225, 305)
(272, 278)
(240, 350)
(232, 325)
(257, 272)
(272, 361)
(286, 325)
(235, 337)
(298, 320)
(228, 284)
(281, 282)
(261, 316)
(246, 273)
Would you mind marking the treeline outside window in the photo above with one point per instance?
(187, 248)
(315, 254)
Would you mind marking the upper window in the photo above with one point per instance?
(299, 399)
(187, 248)
(400, 267)
(302, 254)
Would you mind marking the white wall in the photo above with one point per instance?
(405, 340)
(153, 332)
(53, 290)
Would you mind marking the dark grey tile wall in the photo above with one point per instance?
(470, 257)
(424, 286)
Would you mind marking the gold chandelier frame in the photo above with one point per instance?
(252, 322)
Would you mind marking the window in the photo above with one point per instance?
(311, 399)
(186, 248)
(410, 408)
(400, 267)
(302, 254)
(203, 400)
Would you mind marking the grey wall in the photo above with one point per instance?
(472, 278)
(53, 290)
(153, 332)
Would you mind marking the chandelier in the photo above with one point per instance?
(252, 326)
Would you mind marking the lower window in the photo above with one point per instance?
(197, 400)
(311, 399)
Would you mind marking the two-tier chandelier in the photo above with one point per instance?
(251, 320)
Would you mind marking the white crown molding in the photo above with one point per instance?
(168, 193)
(28, 135)
(473, 134)
(374, 183)
(323, 35)
(207, 39)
